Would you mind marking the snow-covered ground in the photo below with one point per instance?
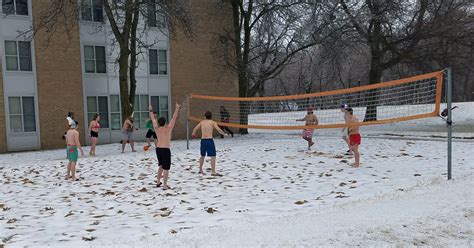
(273, 193)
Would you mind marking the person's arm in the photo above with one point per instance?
(195, 129)
(78, 144)
(219, 129)
(175, 115)
(152, 117)
(90, 128)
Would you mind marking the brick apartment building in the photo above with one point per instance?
(44, 78)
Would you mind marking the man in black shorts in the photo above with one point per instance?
(163, 143)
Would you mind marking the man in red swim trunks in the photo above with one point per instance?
(354, 137)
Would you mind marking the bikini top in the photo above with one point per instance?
(97, 125)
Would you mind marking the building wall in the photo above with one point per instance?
(58, 69)
(194, 69)
(3, 135)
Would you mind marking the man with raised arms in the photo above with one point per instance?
(163, 143)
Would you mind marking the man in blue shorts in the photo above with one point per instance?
(208, 147)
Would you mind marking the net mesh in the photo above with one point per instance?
(399, 100)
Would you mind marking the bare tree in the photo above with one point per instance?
(265, 37)
(396, 31)
(128, 20)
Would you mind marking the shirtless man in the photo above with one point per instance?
(163, 152)
(345, 131)
(310, 120)
(127, 133)
(208, 147)
(73, 143)
(354, 137)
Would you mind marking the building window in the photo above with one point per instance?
(94, 59)
(160, 104)
(18, 55)
(115, 113)
(15, 7)
(91, 10)
(22, 114)
(141, 110)
(154, 16)
(158, 62)
(98, 105)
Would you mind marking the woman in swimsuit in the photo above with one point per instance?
(94, 126)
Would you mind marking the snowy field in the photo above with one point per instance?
(272, 193)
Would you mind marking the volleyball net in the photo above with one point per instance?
(388, 102)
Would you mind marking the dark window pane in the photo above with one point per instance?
(100, 66)
(98, 15)
(151, 13)
(28, 106)
(155, 103)
(103, 104)
(29, 123)
(10, 48)
(164, 114)
(90, 117)
(104, 120)
(22, 7)
(100, 59)
(153, 60)
(100, 53)
(8, 7)
(25, 64)
(12, 63)
(24, 48)
(86, 13)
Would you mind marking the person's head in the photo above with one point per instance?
(155, 113)
(70, 114)
(74, 125)
(350, 111)
(96, 117)
(222, 108)
(344, 107)
(161, 121)
(208, 115)
(309, 110)
(130, 118)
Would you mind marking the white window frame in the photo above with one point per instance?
(15, 9)
(94, 48)
(17, 55)
(160, 19)
(22, 115)
(98, 110)
(159, 65)
(158, 108)
(138, 110)
(90, 6)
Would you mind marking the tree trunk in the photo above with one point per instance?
(123, 81)
(244, 106)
